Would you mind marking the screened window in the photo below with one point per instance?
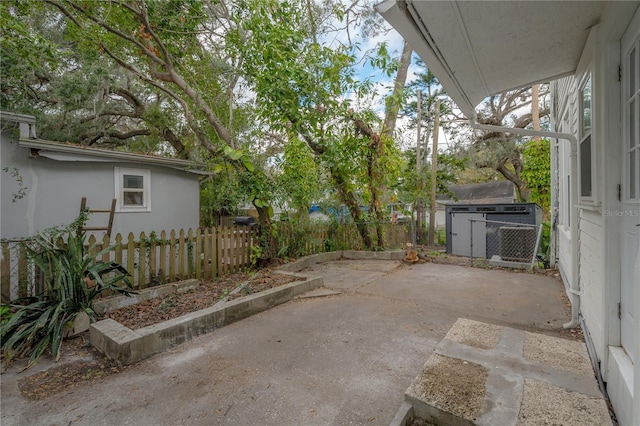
(632, 126)
(585, 150)
(564, 159)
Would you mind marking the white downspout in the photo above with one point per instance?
(574, 285)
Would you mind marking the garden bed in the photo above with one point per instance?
(126, 346)
(196, 297)
(82, 363)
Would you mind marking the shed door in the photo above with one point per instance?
(630, 213)
(461, 234)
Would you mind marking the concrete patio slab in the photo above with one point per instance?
(319, 292)
(351, 274)
(494, 296)
(339, 360)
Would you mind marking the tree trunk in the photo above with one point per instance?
(434, 175)
(267, 242)
(376, 205)
(393, 103)
(524, 193)
(535, 112)
(348, 197)
(376, 179)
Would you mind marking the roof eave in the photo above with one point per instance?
(399, 17)
(128, 157)
(474, 57)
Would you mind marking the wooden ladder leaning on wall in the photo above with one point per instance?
(111, 211)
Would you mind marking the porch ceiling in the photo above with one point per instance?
(480, 48)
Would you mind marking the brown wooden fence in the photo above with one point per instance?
(295, 240)
(150, 259)
(203, 254)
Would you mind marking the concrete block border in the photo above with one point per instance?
(404, 416)
(307, 261)
(127, 346)
(503, 376)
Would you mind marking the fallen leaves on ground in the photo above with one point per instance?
(206, 294)
(89, 366)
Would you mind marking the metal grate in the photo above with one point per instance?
(517, 244)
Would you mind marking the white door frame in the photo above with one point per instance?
(630, 207)
(630, 186)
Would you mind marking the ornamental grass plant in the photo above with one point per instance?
(72, 280)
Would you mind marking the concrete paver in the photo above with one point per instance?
(338, 360)
(519, 378)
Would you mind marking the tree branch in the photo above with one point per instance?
(523, 192)
(126, 135)
(112, 30)
(185, 107)
(144, 16)
(393, 104)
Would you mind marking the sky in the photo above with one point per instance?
(383, 83)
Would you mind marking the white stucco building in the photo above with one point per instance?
(43, 183)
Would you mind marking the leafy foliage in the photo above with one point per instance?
(545, 243)
(215, 81)
(25, 55)
(537, 172)
(300, 181)
(72, 279)
(5, 313)
(306, 91)
(407, 188)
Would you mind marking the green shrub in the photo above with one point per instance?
(5, 313)
(545, 240)
(544, 250)
(72, 280)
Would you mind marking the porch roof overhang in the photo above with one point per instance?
(480, 48)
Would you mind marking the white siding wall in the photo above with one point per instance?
(563, 88)
(590, 237)
(567, 114)
(592, 277)
(599, 236)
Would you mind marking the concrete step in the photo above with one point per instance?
(484, 374)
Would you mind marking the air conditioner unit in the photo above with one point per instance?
(517, 243)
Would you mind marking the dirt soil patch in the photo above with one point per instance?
(81, 364)
(206, 294)
(438, 254)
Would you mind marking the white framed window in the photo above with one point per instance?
(585, 144)
(564, 153)
(132, 189)
(631, 123)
